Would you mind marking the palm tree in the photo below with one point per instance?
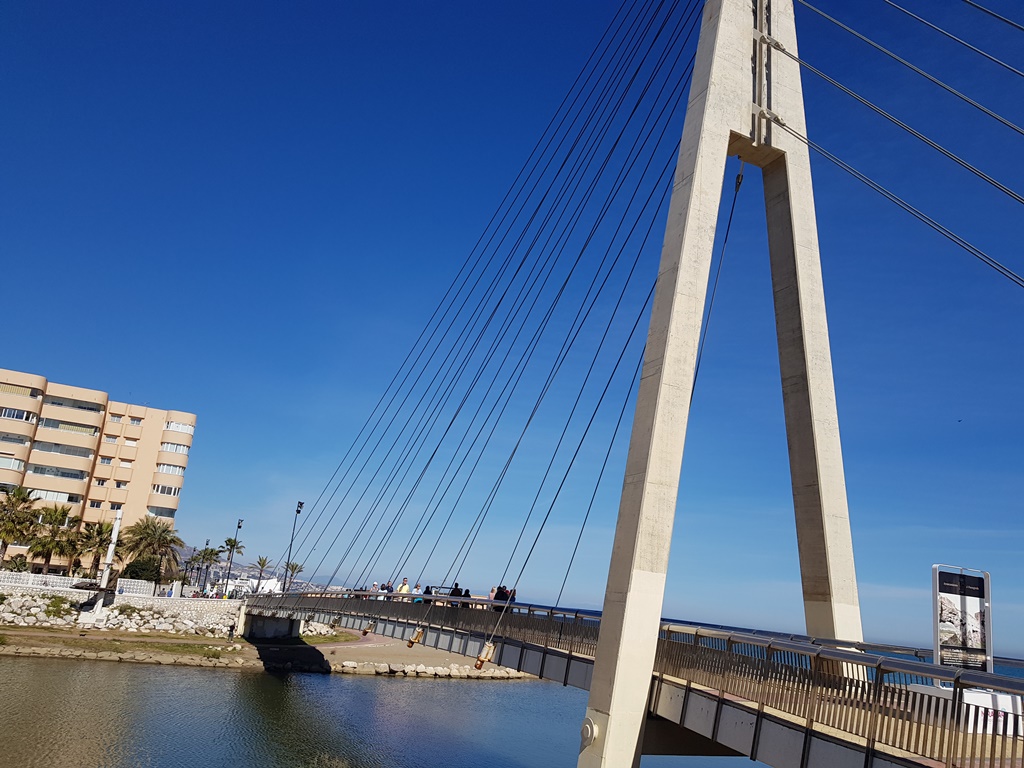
(96, 541)
(56, 536)
(207, 557)
(263, 563)
(151, 538)
(17, 518)
(231, 546)
(293, 569)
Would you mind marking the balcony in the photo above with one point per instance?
(13, 476)
(65, 437)
(15, 451)
(22, 402)
(128, 452)
(167, 457)
(52, 483)
(61, 460)
(73, 415)
(181, 438)
(18, 427)
(160, 500)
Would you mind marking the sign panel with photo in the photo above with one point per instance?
(962, 615)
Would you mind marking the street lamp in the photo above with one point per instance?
(231, 555)
(288, 560)
(206, 573)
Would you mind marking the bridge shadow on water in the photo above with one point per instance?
(283, 655)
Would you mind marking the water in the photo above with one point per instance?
(104, 715)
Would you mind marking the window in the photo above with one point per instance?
(95, 505)
(17, 389)
(116, 507)
(166, 490)
(17, 414)
(131, 443)
(66, 450)
(64, 402)
(105, 460)
(135, 422)
(6, 437)
(67, 426)
(174, 448)
(170, 469)
(6, 462)
(179, 426)
(69, 474)
(123, 463)
(120, 484)
(161, 511)
(100, 482)
(115, 419)
(69, 498)
(109, 438)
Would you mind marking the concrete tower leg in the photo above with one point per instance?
(719, 101)
(831, 604)
(719, 122)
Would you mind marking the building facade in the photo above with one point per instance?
(76, 447)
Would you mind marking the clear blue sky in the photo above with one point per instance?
(249, 210)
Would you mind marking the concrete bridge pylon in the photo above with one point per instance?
(740, 86)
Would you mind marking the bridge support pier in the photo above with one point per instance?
(271, 627)
(730, 112)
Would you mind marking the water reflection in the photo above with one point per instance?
(80, 713)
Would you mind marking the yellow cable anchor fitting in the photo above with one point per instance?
(369, 628)
(416, 637)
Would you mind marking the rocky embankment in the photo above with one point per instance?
(183, 616)
(419, 670)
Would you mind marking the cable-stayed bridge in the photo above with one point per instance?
(781, 700)
(540, 340)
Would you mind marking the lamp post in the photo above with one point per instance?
(206, 573)
(231, 555)
(288, 560)
(190, 571)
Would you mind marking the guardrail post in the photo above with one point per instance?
(873, 716)
(953, 720)
(761, 696)
(722, 684)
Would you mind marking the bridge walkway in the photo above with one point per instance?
(782, 700)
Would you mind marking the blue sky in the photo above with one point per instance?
(249, 211)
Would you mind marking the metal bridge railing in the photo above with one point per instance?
(908, 708)
(898, 705)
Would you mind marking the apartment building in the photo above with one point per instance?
(75, 446)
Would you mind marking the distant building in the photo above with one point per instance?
(77, 447)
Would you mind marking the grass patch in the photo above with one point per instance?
(58, 606)
(212, 653)
(340, 637)
(110, 642)
(125, 609)
(3, 640)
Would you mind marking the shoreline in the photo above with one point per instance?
(370, 655)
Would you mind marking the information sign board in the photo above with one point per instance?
(962, 617)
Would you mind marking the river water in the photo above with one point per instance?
(82, 714)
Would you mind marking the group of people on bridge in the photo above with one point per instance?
(442, 595)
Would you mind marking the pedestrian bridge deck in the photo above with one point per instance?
(780, 700)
